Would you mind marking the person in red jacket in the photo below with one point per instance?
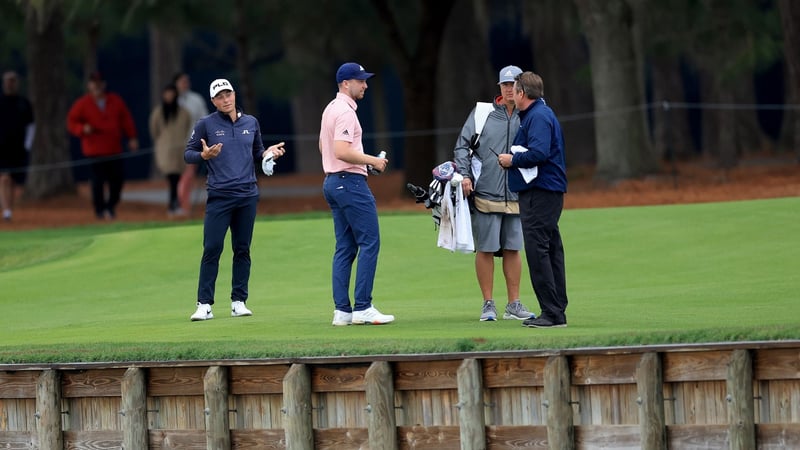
(100, 119)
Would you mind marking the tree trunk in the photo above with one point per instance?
(246, 90)
(417, 67)
(466, 33)
(623, 149)
(311, 57)
(165, 58)
(672, 137)
(790, 19)
(565, 90)
(47, 67)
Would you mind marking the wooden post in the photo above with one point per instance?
(382, 425)
(650, 386)
(560, 432)
(215, 387)
(298, 426)
(741, 411)
(48, 410)
(134, 410)
(471, 422)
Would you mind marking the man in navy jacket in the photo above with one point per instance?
(232, 193)
(537, 171)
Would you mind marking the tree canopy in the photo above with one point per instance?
(609, 68)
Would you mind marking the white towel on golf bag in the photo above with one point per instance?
(455, 229)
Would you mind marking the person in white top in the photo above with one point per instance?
(197, 107)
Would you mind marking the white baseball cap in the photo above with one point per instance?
(219, 85)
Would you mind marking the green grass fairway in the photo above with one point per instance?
(644, 275)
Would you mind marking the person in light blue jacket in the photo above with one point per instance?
(229, 142)
(537, 171)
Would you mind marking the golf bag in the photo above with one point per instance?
(449, 209)
(432, 196)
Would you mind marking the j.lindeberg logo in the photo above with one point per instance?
(245, 131)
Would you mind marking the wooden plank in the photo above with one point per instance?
(426, 375)
(741, 414)
(176, 413)
(778, 436)
(21, 384)
(777, 364)
(516, 406)
(92, 383)
(258, 379)
(339, 409)
(91, 413)
(134, 408)
(618, 437)
(782, 401)
(513, 372)
(381, 419)
(215, 385)
(434, 407)
(428, 438)
(93, 440)
(560, 432)
(18, 414)
(338, 378)
(695, 366)
(177, 439)
(261, 411)
(341, 438)
(697, 437)
(604, 369)
(258, 439)
(18, 440)
(652, 426)
(470, 405)
(516, 437)
(175, 381)
(297, 404)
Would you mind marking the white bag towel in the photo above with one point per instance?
(455, 230)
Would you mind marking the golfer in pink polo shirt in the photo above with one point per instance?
(355, 216)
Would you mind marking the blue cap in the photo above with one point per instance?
(351, 71)
(508, 73)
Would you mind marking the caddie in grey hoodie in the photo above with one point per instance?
(489, 131)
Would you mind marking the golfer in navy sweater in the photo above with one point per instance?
(230, 143)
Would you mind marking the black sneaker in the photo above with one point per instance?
(543, 322)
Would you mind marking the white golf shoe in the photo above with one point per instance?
(203, 312)
(341, 318)
(239, 309)
(371, 316)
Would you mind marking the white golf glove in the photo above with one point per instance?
(268, 163)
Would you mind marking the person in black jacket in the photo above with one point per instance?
(16, 127)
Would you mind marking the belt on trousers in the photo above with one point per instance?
(345, 174)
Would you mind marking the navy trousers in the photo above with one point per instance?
(355, 223)
(222, 213)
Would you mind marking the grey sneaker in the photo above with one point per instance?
(516, 310)
(489, 313)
